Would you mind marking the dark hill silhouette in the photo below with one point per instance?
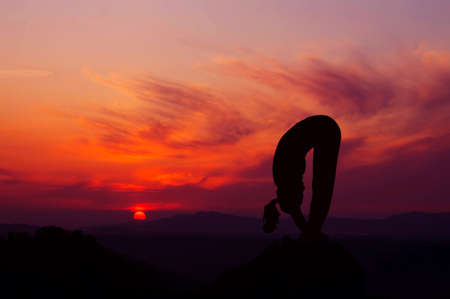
(291, 269)
(73, 263)
(5, 228)
(395, 268)
(409, 226)
(55, 263)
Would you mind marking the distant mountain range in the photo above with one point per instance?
(409, 225)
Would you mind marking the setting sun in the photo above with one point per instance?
(139, 215)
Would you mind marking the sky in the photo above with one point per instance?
(170, 106)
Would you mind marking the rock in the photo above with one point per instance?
(293, 269)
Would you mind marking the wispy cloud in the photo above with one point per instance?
(379, 105)
(200, 146)
(180, 114)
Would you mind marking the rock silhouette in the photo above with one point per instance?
(62, 264)
(321, 133)
(292, 269)
(55, 263)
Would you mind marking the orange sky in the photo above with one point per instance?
(111, 106)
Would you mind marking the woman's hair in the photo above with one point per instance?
(271, 217)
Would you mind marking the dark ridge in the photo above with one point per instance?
(55, 263)
(292, 269)
(6, 228)
(200, 223)
(415, 225)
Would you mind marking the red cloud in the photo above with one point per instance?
(384, 108)
(211, 148)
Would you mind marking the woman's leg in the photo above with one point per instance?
(299, 219)
(324, 173)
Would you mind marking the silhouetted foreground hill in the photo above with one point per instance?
(61, 264)
(411, 225)
(55, 263)
(5, 229)
(290, 269)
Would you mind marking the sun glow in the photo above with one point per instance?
(139, 215)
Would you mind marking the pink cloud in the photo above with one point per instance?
(387, 111)
(208, 147)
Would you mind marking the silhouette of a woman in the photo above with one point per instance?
(321, 133)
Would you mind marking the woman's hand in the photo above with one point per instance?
(271, 217)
